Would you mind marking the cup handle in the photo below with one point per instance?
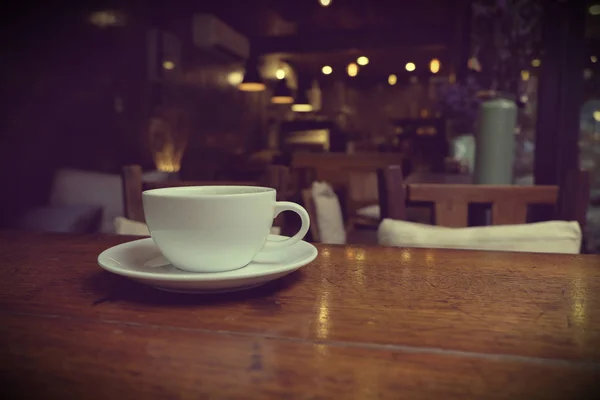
(281, 206)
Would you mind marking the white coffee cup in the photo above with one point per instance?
(216, 228)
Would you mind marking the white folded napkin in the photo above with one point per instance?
(330, 221)
(542, 237)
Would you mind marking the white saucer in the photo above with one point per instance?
(142, 261)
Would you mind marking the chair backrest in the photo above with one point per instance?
(362, 190)
(355, 187)
(333, 167)
(509, 203)
(133, 186)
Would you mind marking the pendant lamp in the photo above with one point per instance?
(252, 80)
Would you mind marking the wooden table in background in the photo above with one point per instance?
(439, 178)
(358, 323)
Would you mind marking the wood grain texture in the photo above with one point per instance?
(358, 322)
(56, 357)
(542, 305)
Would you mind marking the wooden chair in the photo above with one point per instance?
(335, 168)
(309, 205)
(509, 203)
(353, 234)
(362, 191)
(343, 162)
(355, 187)
(276, 177)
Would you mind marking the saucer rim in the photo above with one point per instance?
(201, 276)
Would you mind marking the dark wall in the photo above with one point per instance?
(75, 95)
(59, 83)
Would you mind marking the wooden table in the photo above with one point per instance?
(439, 178)
(358, 323)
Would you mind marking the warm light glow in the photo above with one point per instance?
(430, 257)
(536, 62)
(323, 314)
(326, 70)
(597, 115)
(579, 293)
(405, 255)
(349, 253)
(452, 78)
(252, 86)
(104, 18)
(434, 66)
(525, 75)
(594, 59)
(428, 131)
(164, 160)
(168, 65)
(361, 255)
(352, 69)
(392, 79)
(473, 63)
(235, 78)
(325, 3)
(595, 9)
(282, 99)
(167, 145)
(362, 60)
(280, 74)
(410, 67)
(302, 107)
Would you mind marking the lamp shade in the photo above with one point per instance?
(252, 81)
(282, 93)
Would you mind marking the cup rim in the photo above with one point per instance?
(178, 192)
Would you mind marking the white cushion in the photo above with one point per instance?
(77, 187)
(542, 237)
(371, 212)
(330, 221)
(74, 187)
(124, 226)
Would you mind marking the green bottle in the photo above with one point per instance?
(495, 142)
